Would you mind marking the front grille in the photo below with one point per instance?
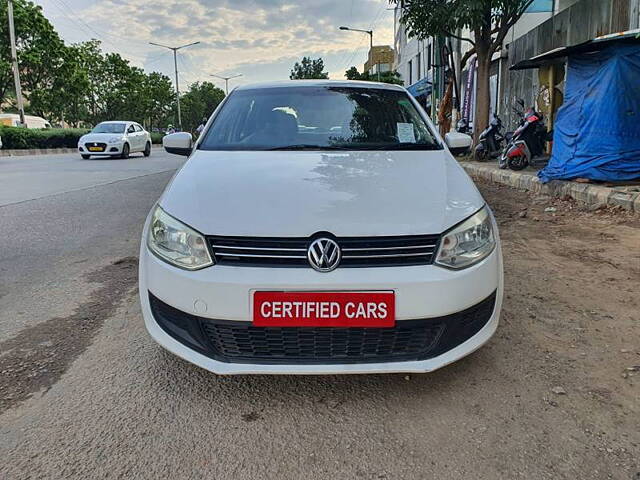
(240, 342)
(101, 146)
(356, 251)
(322, 344)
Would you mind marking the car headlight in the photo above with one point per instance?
(467, 243)
(115, 140)
(176, 243)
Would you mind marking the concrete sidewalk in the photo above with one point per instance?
(592, 195)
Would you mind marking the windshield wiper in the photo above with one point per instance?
(304, 146)
(407, 146)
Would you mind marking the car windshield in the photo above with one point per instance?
(109, 128)
(319, 118)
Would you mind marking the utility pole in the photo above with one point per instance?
(14, 61)
(226, 80)
(175, 65)
(370, 33)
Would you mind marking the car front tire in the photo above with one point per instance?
(147, 149)
(125, 151)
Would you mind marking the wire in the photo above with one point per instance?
(156, 58)
(97, 30)
(371, 27)
(87, 29)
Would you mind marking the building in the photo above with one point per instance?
(547, 24)
(414, 58)
(381, 58)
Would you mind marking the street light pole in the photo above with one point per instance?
(14, 61)
(175, 65)
(226, 80)
(370, 33)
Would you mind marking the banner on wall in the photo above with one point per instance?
(467, 104)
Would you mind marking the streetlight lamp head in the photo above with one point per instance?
(344, 28)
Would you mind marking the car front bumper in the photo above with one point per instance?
(110, 149)
(223, 293)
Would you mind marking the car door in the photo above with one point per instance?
(131, 138)
(142, 136)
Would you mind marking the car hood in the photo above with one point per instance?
(100, 137)
(298, 194)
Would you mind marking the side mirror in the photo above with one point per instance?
(180, 143)
(458, 143)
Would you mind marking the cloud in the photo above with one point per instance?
(259, 38)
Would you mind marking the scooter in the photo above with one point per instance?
(463, 126)
(490, 141)
(527, 143)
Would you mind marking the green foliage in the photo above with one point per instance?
(485, 18)
(77, 83)
(22, 138)
(489, 22)
(198, 103)
(308, 69)
(385, 77)
(156, 138)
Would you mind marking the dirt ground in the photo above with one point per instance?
(571, 322)
(554, 395)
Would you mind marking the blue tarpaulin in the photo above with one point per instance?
(597, 129)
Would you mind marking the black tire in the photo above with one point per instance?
(517, 163)
(85, 157)
(125, 151)
(147, 149)
(480, 154)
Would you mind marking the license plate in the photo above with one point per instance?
(95, 149)
(324, 309)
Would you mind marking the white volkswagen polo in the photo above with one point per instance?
(320, 227)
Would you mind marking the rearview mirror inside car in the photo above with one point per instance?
(180, 143)
(458, 143)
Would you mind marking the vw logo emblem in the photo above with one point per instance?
(324, 255)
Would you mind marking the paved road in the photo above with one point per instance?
(85, 393)
(61, 216)
(28, 178)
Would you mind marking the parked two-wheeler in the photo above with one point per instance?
(528, 142)
(463, 126)
(490, 141)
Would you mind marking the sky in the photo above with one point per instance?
(260, 39)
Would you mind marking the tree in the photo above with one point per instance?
(159, 98)
(199, 102)
(39, 48)
(77, 83)
(489, 22)
(308, 69)
(385, 77)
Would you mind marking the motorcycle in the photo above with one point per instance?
(463, 126)
(490, 141)
(528, 142)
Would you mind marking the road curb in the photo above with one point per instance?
(43, 151)
(627, 197)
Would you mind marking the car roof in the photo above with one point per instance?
(119, 121)
(320, 83)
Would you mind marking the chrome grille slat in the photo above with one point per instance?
(231, 247)
(393, 255)
(356, 251)
(251, 255)
(376, 249)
